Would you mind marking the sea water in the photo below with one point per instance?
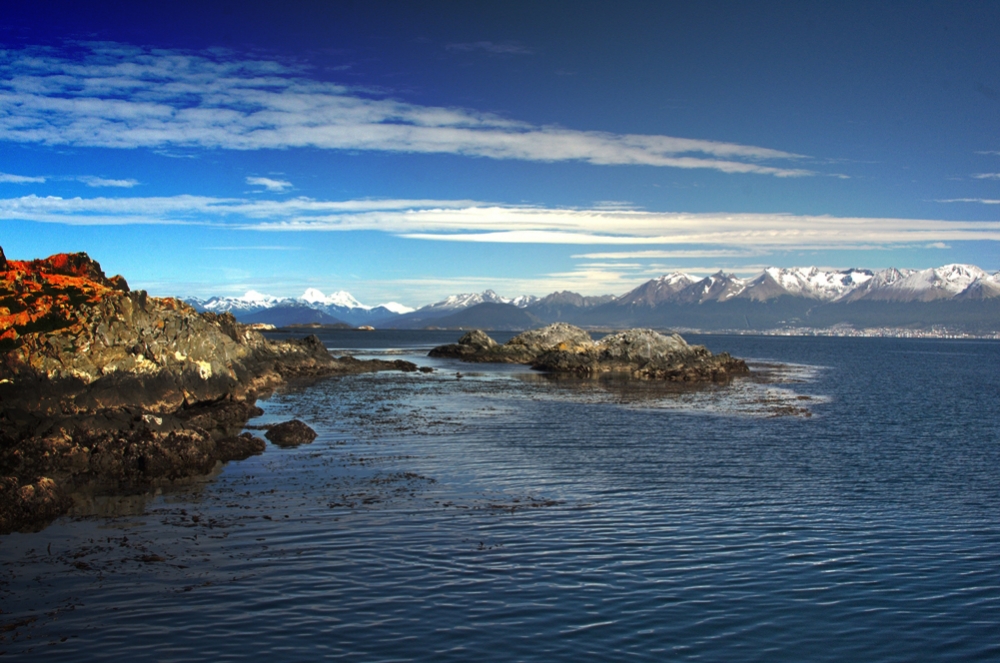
(843, 504)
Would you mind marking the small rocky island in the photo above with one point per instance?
(110, 390)
(567, 350)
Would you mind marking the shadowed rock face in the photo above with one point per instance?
(110, 388)
(562, 348)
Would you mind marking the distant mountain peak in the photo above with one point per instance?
(340, 298)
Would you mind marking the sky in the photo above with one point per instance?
(408, 151)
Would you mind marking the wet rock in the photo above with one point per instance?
(290, 434)
(239, 447)
(476, 346)
(643, 353)
(30, 506)
(111, 389)
(352, 366)
(564, 349)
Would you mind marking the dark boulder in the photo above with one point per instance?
(290, 434)
(239, 447)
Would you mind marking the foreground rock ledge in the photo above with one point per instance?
(107, 388)
(564, 349)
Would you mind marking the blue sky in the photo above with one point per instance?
(407, 151)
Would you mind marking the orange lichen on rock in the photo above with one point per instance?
(44, 295)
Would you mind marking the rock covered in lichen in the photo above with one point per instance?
(105, 387)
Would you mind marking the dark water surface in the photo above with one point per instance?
(846, 508)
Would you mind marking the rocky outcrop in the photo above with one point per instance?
(476, 346)
(636, 353)
(107, 387)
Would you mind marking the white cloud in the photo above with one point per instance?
(987, 176)
(470, 221)
(6, 178)
(271, 185)
(89, 180)
(124, 97)
(984, 201)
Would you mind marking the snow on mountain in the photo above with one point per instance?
(524, 301)
(341, 299)
(715, 288)
(926, 284)
(397, 308)
(812, 282)
(251, 302)
(818, 284)
(657, 291)
(465, 300)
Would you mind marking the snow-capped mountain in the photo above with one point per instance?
(926, 285)
(813, 283)
(658, 290)
(810, 282)
(776, 296)
(465, 300)
(340, 305)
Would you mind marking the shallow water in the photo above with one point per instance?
(843, 508)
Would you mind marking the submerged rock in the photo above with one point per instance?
(565, 349)
(290, 434)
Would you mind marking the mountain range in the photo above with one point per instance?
(961, 297)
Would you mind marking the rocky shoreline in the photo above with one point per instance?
(111, 390)
(563, 349)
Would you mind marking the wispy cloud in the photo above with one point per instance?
(471, 221)
(501, 48)
(271, 185)
(656, 254)
(117, 96)
(7, 178)
(89, 180)
(987, 176)
(984, 201)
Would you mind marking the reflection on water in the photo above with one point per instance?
(508, 516)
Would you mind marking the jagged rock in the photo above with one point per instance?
(105, 387)
(472, 344)
(644, 353)
(290, 434)
(476, 346)
(563, 348)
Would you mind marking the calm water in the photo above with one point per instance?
(846, 508)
